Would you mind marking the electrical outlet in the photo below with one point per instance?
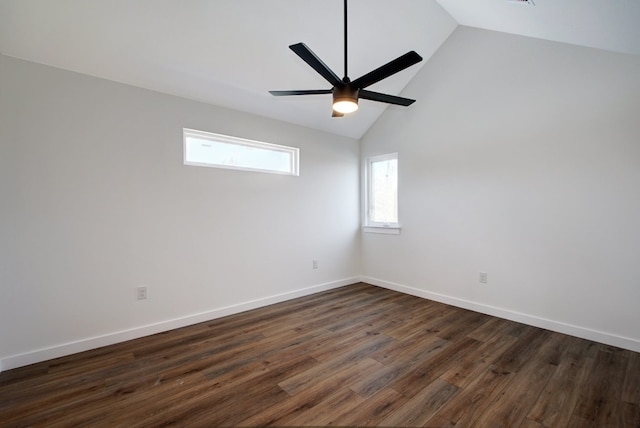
(141, 293)
(315, 264)
(483, 277)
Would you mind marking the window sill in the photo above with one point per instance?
(386, 230)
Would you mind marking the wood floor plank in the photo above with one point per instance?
(214, 413)
(398, 367)
(510, 406)
(472, 401)
(521, 352)
(111, 404)
(530, 423)
(422, 319)
(419, 409)
(518, 329)
(600, 397)
(409, 347)
(472, 364)
(53, 406)
(458, 326)
(357, 337)
(47, 385)
(629, 414)
(556, 403)
(323, 389)
(488, 329)
(354, 356)
(212, 403)
(631, 389)
(342, 369)
(373, 410)
(432, 367)
(579, 422)
(327, 411)
(191, 360)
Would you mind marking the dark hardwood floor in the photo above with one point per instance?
(357, 355)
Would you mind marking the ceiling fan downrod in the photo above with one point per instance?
(345, 39)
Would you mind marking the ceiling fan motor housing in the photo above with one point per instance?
(345, 93)
(345, 97)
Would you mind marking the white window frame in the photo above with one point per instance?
(369, 225)
(294, 168)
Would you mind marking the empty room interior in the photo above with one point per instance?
(193, 231)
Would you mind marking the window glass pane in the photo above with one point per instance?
(229, 152)
(384, 191)
(219, 153)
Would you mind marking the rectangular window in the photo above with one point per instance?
(382, 191)
(222, 151)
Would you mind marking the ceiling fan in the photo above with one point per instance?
(345, 92)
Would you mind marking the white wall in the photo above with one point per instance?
(521, 158)
(95, 201)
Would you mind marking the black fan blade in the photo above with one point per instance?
(316, 63)
(301, 92)
(390, 68)
(384, 98)
(336, 114)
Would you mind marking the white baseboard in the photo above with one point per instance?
(146, 330)
(572, 330)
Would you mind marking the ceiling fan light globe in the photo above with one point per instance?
(345, 105)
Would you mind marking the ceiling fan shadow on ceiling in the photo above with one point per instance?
(346, 92)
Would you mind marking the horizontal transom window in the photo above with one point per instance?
(223, 151)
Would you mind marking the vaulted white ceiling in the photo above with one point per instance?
(232, 52)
